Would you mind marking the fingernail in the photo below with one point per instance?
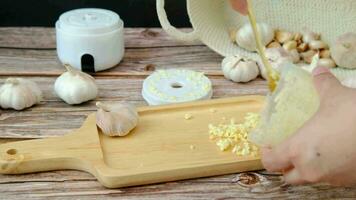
(320, 70)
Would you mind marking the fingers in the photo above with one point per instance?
(324, 81)
(240, 6)
(293, 177)
(277, 159)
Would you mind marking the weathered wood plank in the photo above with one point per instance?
(78, 185)
(135, 62)
(53, 117)
(31, 52)
(44, 38)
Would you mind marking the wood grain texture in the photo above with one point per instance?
(44, 38)
(154, 152)
(30, 51)
(139, 62)
(54, 118)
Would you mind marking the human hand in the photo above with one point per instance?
(240, 6)
(324, 149)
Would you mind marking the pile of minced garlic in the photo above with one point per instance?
(232, 136)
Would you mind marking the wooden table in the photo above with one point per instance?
(30, 53)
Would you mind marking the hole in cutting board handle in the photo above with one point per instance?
(11, 151)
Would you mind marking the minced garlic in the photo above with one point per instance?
(234, 136)
(188, 116)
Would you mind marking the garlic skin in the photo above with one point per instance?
(19, 93)
(75, 87)
(343, 51)
(239, 70)
(277, 57)
(349, 82)
(246, 39)
(117, 119)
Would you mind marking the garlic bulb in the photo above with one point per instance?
(75, 87)
(237, 69)
(343, 51)
(116, 120)
(277, 57)
(246, 39)
(19, 93)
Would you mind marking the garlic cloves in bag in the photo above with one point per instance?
(117, 119)
(75, 87)
(19, 93)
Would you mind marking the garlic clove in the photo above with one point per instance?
(325, 53)
(314, 63)
(284, 36)
(290, 45)
(326, 62)
(116, 120)
(308, 55)
(246, 39)
(298, 37)
(343, 51)
(309, 36)
(294, 54)
(75, 87)
(274, 45)
(317, 45)
(19, 93)
(303, 47)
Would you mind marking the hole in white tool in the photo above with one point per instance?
(11, 151)
(176, 85)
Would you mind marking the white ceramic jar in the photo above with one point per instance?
(90, 39)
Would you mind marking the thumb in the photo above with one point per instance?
(324, 81)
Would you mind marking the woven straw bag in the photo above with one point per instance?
(212, 19)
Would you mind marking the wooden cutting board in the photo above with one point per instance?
(163, 147)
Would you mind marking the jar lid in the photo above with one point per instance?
(89, 21)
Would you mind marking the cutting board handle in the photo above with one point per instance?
(35, 156)
(67, 152)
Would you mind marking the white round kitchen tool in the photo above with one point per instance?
(90, 39)
(176, 86)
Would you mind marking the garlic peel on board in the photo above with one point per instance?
(75, 87)
(246, 39)
(19, 93)
(117, 119)
(237, 69)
